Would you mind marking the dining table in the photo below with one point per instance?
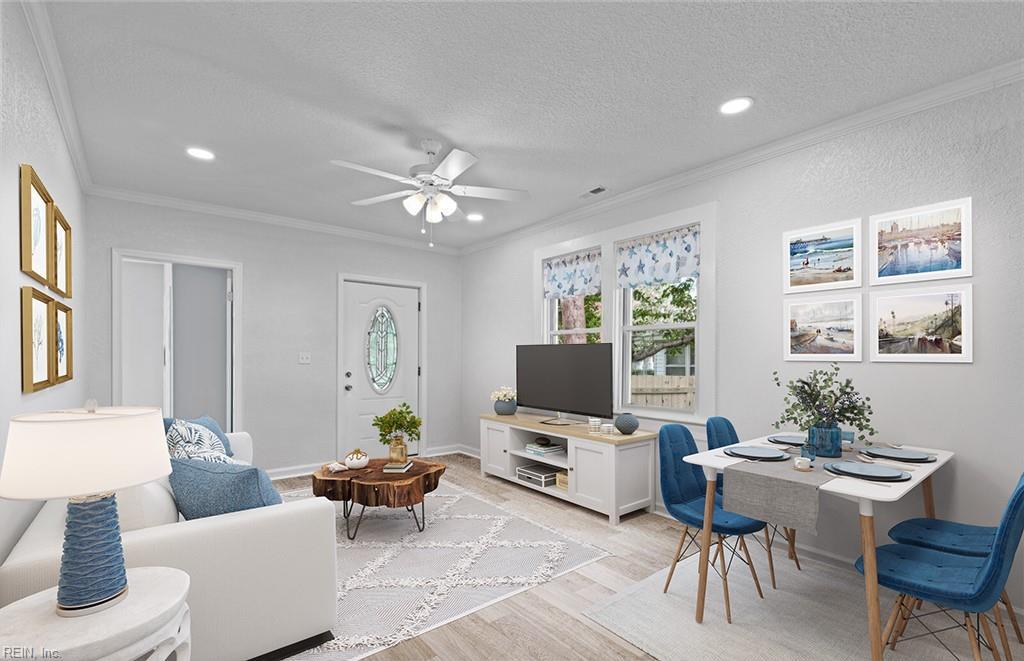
(863, 492)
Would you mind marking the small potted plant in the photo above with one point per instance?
(504, 399)
(820, 401)
(394, 427)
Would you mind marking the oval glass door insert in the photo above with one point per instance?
(382, 349)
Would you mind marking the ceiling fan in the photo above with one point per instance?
(433, 184)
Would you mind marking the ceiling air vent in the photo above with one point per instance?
(597, 190)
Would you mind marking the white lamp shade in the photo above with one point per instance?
(446, 204)
(414, 203)
(60, 454)
(434, 214)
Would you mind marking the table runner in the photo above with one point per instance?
(775, 492)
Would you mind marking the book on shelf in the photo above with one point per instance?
(397, 468)
(544, 449)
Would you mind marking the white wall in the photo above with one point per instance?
(971, 147)
(30, 133)
(290, 294)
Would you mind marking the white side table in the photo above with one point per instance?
(151, 622)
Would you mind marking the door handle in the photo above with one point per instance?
(348, 387)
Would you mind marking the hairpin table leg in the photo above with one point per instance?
(352, 535)
(421, 522)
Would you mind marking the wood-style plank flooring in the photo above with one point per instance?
(546, 622)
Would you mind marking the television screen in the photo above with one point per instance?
(567, 378)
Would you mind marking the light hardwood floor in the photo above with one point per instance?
(546, 622)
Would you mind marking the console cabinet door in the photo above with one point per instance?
(590, 474)
(494, 447)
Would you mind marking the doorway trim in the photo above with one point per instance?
(424, 375)
(118, 255)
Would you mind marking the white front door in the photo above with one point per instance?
(380, 361)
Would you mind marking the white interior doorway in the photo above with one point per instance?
(381, 331)
(175, 341)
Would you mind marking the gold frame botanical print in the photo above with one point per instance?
(60, 262)
(36, 226)
(37, 320)
(63, 349)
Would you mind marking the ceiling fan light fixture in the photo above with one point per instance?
(434, 214)
(414, 203)
(446, 204)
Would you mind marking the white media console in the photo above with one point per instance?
(611, 474)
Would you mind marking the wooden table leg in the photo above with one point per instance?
(867, 539)
(929, 497)
(705, 541)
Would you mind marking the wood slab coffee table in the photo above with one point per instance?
(372, 487)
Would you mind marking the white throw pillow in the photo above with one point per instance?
(186, 440)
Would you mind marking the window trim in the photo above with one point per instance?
(706, 360)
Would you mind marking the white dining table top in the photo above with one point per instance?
(850, 488)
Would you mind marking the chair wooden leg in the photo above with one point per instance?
(725, 579)
(906, 611)
(1013, 616)
(897, 612)
(973, 635)
(714, 558)
(989, 638)
(675, 558)
(768, 549)
(750, 563)
(792, 548)
(789, 545)
(1002, 632)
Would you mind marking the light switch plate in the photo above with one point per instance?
(305, 358)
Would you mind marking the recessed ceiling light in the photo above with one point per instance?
(475, 217)
(200, 153)
(736, 106)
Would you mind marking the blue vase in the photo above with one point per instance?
(505, 407)
(827, 441)
(627, 423)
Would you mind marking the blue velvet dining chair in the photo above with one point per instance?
(969, 583)
(684, 491)
(720, 434)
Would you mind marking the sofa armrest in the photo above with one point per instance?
(241, 446)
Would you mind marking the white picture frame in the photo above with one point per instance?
(928, 248)
(915, 303)
(796, 281)
(836, 322)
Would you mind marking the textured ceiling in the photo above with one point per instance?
(553, 98)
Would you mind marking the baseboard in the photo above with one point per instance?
(292, 471)
(295, 648)
(451, 449)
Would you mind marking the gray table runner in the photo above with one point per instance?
(775, 492)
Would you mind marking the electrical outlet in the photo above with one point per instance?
(305, 358)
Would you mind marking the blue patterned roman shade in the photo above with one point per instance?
(656, 259)
(575, 274)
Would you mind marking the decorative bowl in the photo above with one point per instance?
(357, 459)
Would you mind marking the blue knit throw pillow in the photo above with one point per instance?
(204, 488)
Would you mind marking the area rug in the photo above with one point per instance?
(395, 582)
(818, 613)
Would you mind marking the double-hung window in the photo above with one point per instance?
(572, 296)
(657, 275)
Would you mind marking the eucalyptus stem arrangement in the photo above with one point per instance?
(823, 399)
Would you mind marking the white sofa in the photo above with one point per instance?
(261, 579)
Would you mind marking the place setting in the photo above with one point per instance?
(756, 453)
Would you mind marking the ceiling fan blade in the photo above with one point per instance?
(374, 171)
(454, 164)
(384, 198)
(507, 194)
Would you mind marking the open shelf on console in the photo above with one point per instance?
(559, 459)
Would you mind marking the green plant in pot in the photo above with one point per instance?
(395, 427)
(819, 403)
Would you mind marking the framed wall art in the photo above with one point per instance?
(822, 257)
(932, 242)
(37, 340)
(36, 232)
(61, 260)
(63, 343)
(822, 328)
(922, 324)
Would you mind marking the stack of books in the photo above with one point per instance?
(397, 468)
(544, 450)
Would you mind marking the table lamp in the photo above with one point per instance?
(85, 455)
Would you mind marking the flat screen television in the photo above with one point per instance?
(566, 378)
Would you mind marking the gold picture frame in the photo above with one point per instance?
(37, 320)
(36, 227)
(60, 257)
(63, 349)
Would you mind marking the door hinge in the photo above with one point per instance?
(419, 371)
(419, 307)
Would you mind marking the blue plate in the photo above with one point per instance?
(873, 472)
(757, 454)
(898, 454)
(794, 440)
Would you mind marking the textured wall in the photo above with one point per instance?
(971, 147)
(290, 303)
(30, 133)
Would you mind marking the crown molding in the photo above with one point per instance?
(983, 81)
(46, 45)
(259, 217)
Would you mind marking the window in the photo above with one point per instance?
(572, 296)
(382, 349)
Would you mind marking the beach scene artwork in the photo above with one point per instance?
(823, 329)
(822, 257)
(924, 243)
(929, 325)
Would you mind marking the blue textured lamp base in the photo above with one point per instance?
(92, 574)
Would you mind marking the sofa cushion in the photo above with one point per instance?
(145, 506)
(204, 488)
(212, 425)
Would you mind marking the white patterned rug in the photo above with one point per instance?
(395, 582)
